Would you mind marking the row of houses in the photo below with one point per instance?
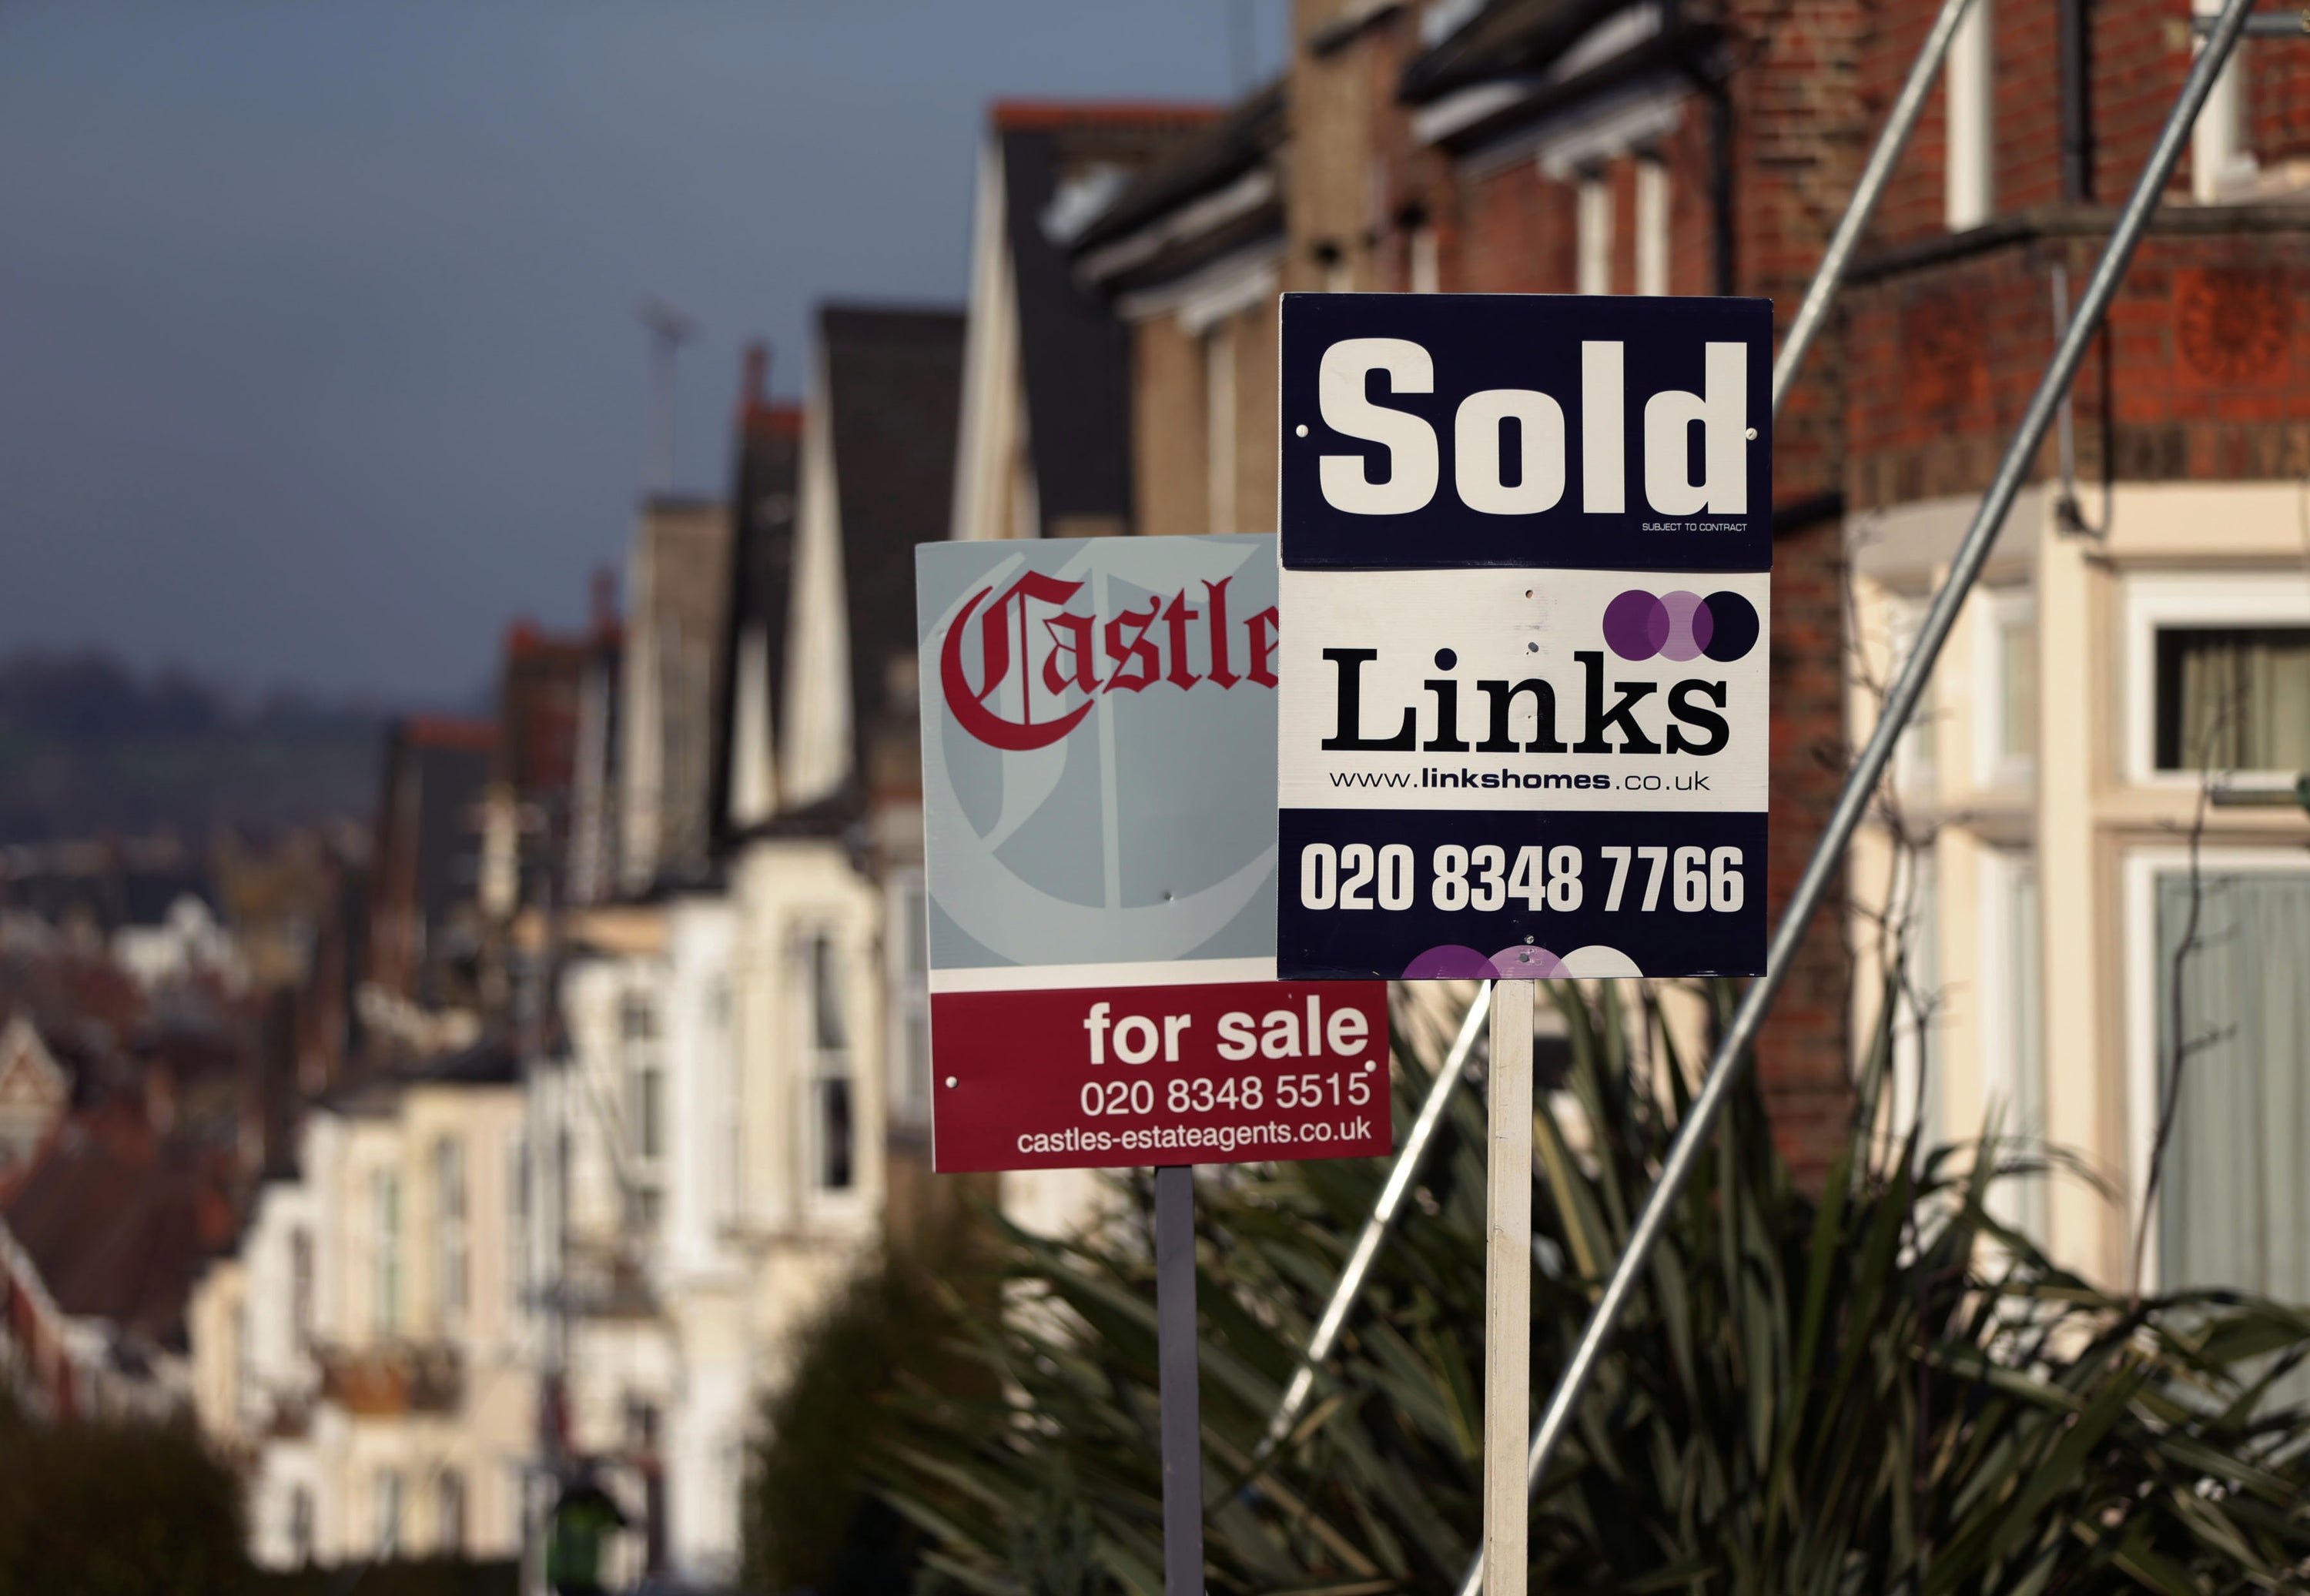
(619, 1068)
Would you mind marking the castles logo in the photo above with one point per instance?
(1098, 830)
(1155, 644)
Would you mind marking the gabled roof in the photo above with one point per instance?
(894, 389)
(1074, 354)
(763, 497)
(117, 1224)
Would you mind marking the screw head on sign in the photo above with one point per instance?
(1302, 428)
(1752, 435)
(950, 1080)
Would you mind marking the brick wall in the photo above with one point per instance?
(2204, 375)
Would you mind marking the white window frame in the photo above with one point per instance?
(1592, 232)
(2141, 868)
(2256, 599)
(1969, 106)
(816, 1192)
(1996, 609)
(1652, 223)
(2220, 159)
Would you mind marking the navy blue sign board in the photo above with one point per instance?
(1526, 549)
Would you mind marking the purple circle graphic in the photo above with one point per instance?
(1522, 962)
(1733, 627)
(1450, 962)
(1689, 625)
(1635, 625)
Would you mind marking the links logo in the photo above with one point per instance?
(1680, 626)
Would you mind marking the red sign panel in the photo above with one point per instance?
(1102, 1076)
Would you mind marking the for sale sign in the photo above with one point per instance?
(1098, 786)
(1526, 545)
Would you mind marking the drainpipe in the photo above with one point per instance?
(2074, 44)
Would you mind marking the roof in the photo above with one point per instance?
(763, 497)
(1529, 46)
(894, 390)
(1025, 116)
(442, 731)
(117, 1224)
(1074, 353)
(489, 1062)
(1226, 150)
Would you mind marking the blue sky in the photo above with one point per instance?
(318, 356)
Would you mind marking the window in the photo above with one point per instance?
(2012, 1052)
(1915, 769)
(831, 1128)
(1427, 274)
(2005, 699)
(517, 1221)
(2234, 1198)
(644, 1109)
(910, 1025)
(385, 1205)
(449, 1218)
(301, 1525)
(1969, 86)
(1593, 234)
(244, 1361)
(1917, 1028)
(2233, 699)
(637, 1018)
(300, 1289)
(450, 1513)
(649, 1111)
(1652, 225)
(2017, 682)
(728, 1110)
(386, 1497)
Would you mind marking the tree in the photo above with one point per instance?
(107, 1508)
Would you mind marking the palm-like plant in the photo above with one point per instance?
(1881, 1389)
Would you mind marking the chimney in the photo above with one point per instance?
(605, 602)
(754, 381)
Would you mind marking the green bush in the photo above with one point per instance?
(811, 1520)
(416, 1576)
(115, 1509)
(1882, 1389)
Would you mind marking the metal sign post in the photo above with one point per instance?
(1527, 548)
(1175, 1356)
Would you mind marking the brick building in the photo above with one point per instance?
(2141, 642)
(1532, 147)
